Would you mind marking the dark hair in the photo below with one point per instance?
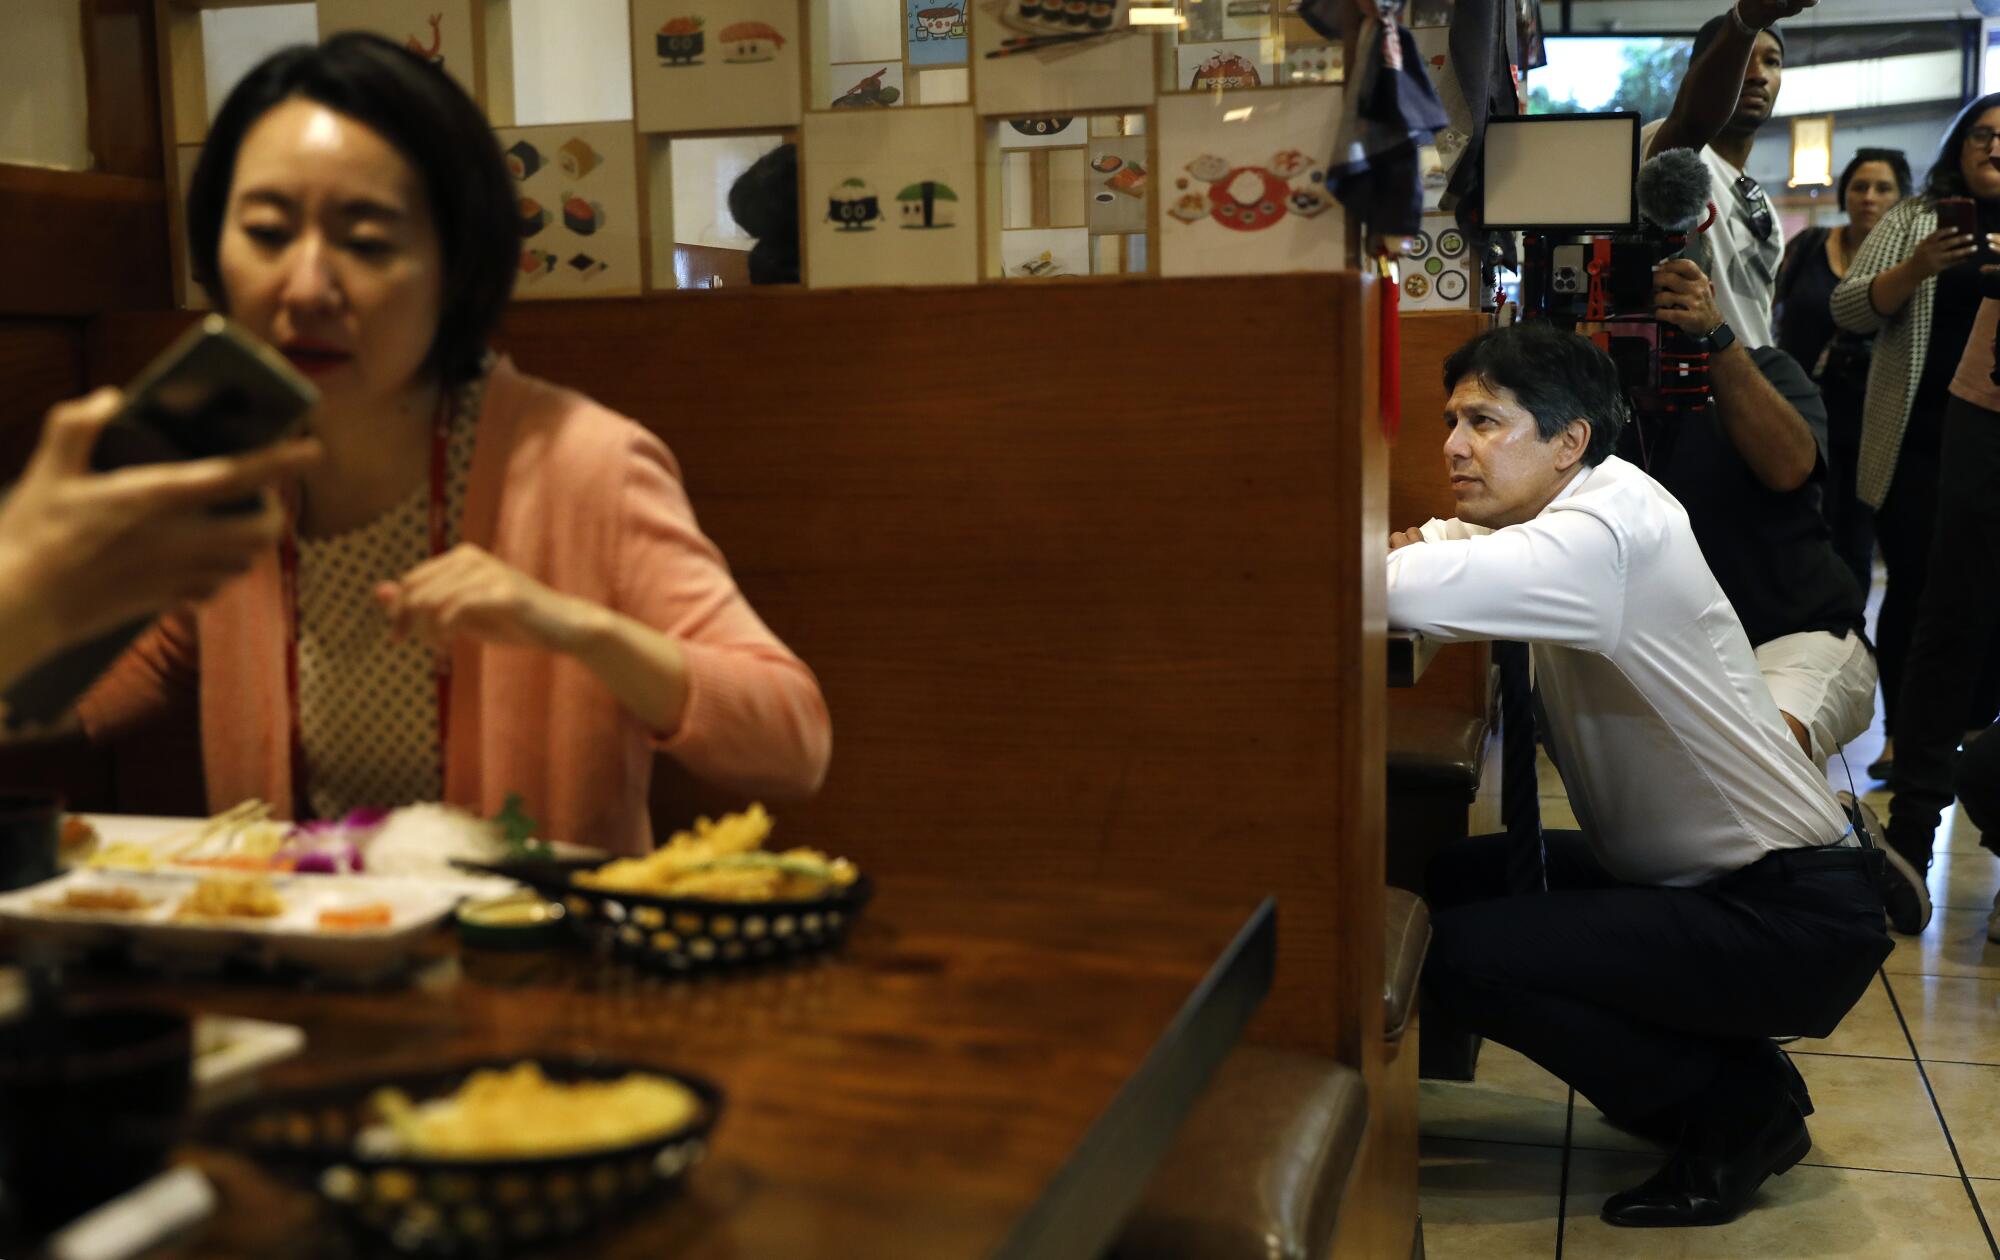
(430, 120)
(764, 201)
(1898, 165)
(1711, 31)
(1947, 177)
(1558, 376)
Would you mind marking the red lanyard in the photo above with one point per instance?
(288, 562)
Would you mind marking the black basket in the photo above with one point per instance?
(686, 934)
(428, 1206)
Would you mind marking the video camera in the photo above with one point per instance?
(1594, 225)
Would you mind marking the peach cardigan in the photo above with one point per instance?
(591, 504)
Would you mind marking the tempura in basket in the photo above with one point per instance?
(723, 860)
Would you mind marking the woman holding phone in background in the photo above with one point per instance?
(490, 585)
(1816, 261)
(1915, 288)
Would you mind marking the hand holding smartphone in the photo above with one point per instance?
(1961, 215)
(217, 391)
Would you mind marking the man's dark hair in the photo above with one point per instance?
(1558, 376)
(1711, 30)
(1947, 177)
(1898, 165)
(428, 118)
(764, 201)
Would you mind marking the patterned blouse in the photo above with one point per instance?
(368, 705)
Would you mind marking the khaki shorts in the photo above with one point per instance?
(1826, 681)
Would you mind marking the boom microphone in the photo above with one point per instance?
(1674, 191)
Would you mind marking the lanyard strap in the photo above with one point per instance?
(288, 565)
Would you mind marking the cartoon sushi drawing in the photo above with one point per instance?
(523, 160)
(432, 54)
(747, 42)
(580, 216)
(1248, 199)
(928, 205)
(870, 91)
(680, 42)
(536, 263)
(533, 217)
(578, 158)
(586, 266)
(853, 205)
(1309, 199)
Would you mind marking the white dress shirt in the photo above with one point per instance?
(1677, 762)
(1743, 265)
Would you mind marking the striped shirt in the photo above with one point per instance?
(1902, 340)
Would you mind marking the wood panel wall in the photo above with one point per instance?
(1457, 679)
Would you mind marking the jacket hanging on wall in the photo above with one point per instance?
(1393, 111)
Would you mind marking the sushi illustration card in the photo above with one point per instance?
(890, 197)
(1111, 73)
(577, 191)
(1242, 176)
(937, 31)
(440, 31)
(1120, 185)
(703, 65)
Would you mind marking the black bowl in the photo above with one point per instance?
(680, 935)
(90, 1103)
(453, 1206)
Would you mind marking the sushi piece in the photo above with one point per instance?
(746, 42)
(578, 158)
(533, 217)
(928, 205)
(582, 217)
(586, 266)
(854, 206)
(680, 41)
(523, 160)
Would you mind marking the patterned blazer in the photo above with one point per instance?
(1901, 342)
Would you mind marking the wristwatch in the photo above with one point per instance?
(1719, 338)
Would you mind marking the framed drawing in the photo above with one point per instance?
(702, 65)
(890, 197)
(447, 33)
(1243, 175)
(1096, 74)
(578, 190)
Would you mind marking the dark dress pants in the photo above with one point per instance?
(1903, 528)
(1847, 517)
(1638, 996)
(1978, 785)
(1949, 676)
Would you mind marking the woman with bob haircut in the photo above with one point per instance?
(490, 584)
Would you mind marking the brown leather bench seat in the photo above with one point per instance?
(1260, 1167)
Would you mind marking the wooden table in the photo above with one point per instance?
(977, 1074)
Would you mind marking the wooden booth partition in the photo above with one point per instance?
(1091, 576)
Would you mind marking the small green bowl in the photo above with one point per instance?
(522, 919)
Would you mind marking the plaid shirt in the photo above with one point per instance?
(1902, 340)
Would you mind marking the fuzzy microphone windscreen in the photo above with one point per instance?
(1674, 190)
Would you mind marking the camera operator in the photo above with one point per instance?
(1715, 896)
(1730, 90)
(1750, 473)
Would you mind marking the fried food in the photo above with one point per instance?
(114, 900)
(723, 861)
(231, 897)
(375, 914)
(78, 836)
(521, 1112)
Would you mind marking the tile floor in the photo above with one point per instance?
(1906, 1139)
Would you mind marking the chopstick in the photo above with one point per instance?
(1032, 43)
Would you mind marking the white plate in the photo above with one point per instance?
(294, 936)
(230, 1051)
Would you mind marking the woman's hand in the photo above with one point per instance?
(467, 591)
(1946, 247)
(83, 551)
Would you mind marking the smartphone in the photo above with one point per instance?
(1961, 215)
(217, 390)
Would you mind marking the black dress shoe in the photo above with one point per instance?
(1703, 1185)
(1904, 893)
